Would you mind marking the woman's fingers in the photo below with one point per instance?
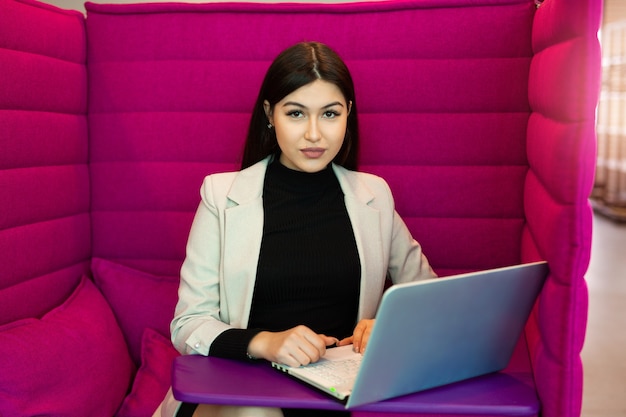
(346, 341)
(361, 334)
(293, 347)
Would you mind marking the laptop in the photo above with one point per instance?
(432, 333)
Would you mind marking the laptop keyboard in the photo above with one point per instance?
(337, 372)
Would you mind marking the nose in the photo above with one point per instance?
(312, 133)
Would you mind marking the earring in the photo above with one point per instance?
(269, 126)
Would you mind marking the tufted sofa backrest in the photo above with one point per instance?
(45, 229)
(443, 107)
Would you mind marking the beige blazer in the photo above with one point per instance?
(219, 272)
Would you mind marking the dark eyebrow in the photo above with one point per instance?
(293, 103)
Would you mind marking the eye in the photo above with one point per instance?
(331, 114)
(296, 114)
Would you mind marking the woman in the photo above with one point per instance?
(289, 255)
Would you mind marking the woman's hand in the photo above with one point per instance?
(360, 336)
(294, 347)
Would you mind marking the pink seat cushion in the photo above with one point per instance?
(138, 299)
(71, 362)
(153, 378)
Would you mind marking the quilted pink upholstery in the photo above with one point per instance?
(45, 241)
(561, 154)
(479, 114)
(443, 106)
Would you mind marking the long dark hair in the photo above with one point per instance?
(296, 67)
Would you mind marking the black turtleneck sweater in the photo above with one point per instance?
(308, 270)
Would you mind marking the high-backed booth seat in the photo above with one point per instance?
(479, 114)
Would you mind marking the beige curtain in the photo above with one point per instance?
(609, 193)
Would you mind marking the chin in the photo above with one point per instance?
(312, 168)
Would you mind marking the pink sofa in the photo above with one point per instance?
(479, 113)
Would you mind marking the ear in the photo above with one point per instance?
(268, 111)
(349, 107)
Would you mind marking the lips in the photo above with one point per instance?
(313, 153)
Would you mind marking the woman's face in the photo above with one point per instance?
(310, 125)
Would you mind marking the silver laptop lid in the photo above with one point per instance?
(431, 333)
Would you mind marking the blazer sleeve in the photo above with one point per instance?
(406, 260)
(196, 320)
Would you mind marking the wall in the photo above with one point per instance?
(614, 10)
(79, 4)
(609, 193)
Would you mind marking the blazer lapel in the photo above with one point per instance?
(365, 221)
(243, 231)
